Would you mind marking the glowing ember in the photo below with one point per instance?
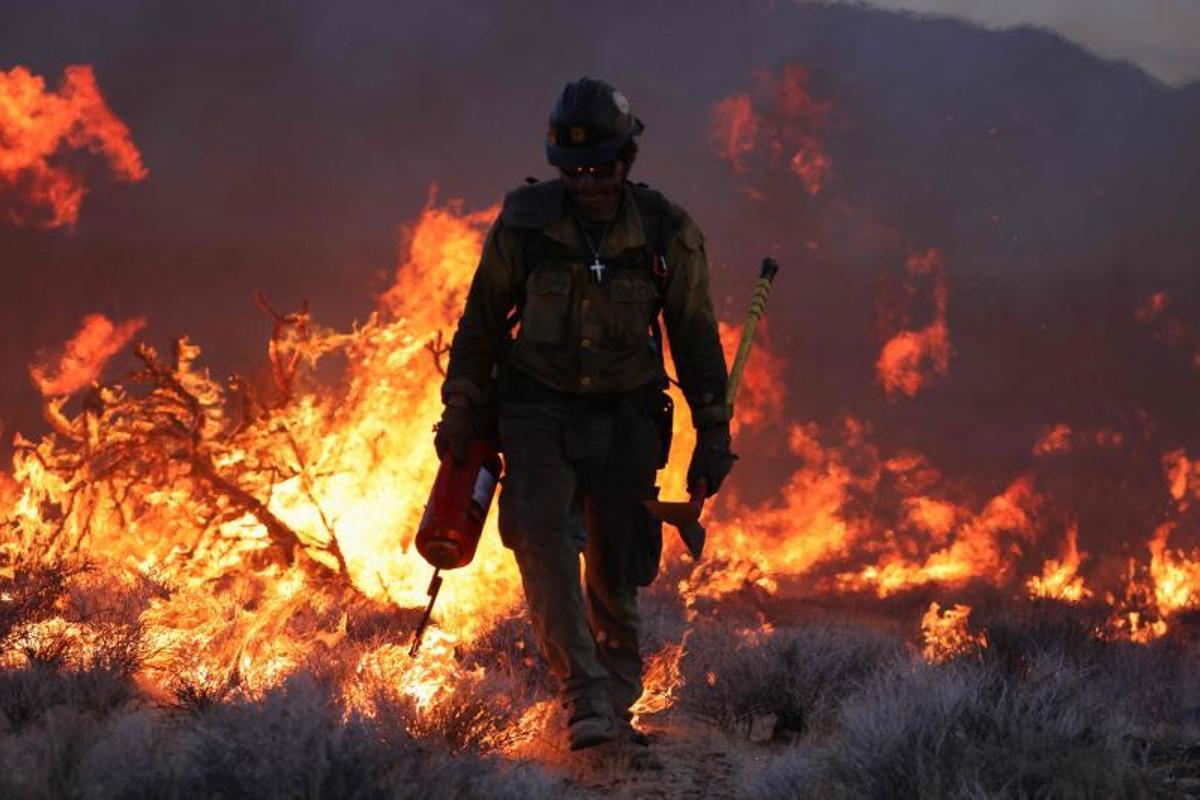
(1056, 439)
(1182, 474)
(947, 635)
(85, 355)
(1172, 328)
(36, 128)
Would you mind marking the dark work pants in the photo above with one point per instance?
(566, 463)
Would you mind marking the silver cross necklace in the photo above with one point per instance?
(597, 267)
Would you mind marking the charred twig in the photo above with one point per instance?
(437, 347)
(284, 368)
(284, 541)
(306, 481)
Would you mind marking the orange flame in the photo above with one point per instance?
(85, 355)
(791, 129)
(734, 129)
(910, 359)
(1173, 329)
(947, 635)
(661, 681)
(37, 125)
(1059, 579)
(1055, 439)
(1176, 574)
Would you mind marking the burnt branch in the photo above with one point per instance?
(438, 348)
(285, 357)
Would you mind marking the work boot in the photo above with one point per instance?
(591, 730)
(626, 731)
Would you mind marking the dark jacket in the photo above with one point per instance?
(581, 336)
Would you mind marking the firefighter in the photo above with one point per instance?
(563, 314)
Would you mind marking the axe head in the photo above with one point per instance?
(685, 516)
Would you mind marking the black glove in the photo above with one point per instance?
(712, 459)
(454, 430)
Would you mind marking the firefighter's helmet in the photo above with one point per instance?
(589, 125)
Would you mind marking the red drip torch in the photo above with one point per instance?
(453, 521)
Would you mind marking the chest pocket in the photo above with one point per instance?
(635, 301)
(546, 314)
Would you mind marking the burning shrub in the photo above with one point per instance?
(68, 639)
(479, 715)
(31, 594)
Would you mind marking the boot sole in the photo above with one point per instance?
(583, 740)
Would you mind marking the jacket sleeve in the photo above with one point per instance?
(482, 328)
(692, 326)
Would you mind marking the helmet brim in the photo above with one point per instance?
(574, 157)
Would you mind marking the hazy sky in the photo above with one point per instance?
(1160, 36)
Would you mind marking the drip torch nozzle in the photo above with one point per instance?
(435, 585)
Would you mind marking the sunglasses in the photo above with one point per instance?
(605, 170)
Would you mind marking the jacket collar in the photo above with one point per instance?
(626, 230)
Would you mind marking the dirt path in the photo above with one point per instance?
(694, 762)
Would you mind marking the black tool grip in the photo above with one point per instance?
(770, 267)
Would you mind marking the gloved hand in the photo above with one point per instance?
(712, 459)
(455, 429)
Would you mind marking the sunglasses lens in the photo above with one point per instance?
(605, 170)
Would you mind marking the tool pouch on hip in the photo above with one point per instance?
(642, 562)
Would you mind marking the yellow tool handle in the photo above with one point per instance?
(758, 302)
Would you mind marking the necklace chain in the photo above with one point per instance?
(583, 232)
(597, 266)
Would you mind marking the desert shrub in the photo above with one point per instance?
(1018, 632)
(296, 741)
(43, 760)
(1149, 678)
(479, 715)
(32, 594)
(967, 729)
(290, 743)
(28, 693)
(798, 676)
(663, 613)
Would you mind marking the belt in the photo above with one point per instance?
(520, 387)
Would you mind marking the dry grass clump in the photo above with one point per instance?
(792, 679)
(295, 741)
(1044, 712)
(298, 740)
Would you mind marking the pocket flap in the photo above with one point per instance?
(630, 289)
(550, 280)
